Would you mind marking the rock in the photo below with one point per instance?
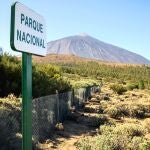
(133, 94)
(106, 97)
(59, 127)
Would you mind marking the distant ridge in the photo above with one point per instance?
(86, 46)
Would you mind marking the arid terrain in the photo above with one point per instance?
(86, 122)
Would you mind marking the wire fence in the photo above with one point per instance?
(46, 112)
(49, 110)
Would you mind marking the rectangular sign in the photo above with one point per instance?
(28, 30)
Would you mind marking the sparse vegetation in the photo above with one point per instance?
(117, 88)
(123, 109)
(110, 72)
(114, 112)
(123, 137)
(132, 86)
(146, 124)
(131, 131)
(10, 122)
(97, 120)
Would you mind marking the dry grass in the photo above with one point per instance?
(129, 115)
(62, 58)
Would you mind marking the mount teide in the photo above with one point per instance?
(88, 47)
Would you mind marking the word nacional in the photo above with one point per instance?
(28, 37)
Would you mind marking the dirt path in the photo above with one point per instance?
(73, 132)
(76, 127)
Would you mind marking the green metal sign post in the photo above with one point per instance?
(27, 101)
(28, 35)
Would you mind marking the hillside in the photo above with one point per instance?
(62, 58)
(69, 59)
(74, 68)
(89, 47)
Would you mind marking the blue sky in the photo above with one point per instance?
(124, 23)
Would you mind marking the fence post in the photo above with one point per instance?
(57, 105)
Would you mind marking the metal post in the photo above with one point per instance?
(26, 101)
(57, 105)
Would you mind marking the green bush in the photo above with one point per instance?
(145, 145)
(132, 86)
(114, 112)
(85, 144)
(113, 142)
(141, 85)
(46, 78)
(103, 142)
(146, 124)
(136, 143)
(96, 121)
(10, 78)
(139, 110)
(81, 83)
(121, 137)
(117, 88)
(106, 129)
(129, 129)
(130, 110)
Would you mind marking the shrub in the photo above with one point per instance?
(85, 144)
(130, 110)
(114, 112)
(121, 137)
(93, 121)
(106, 129)
(145, 145)
(84, 83)
(111, 142)
(129, 129)
(96, 121)
(139, 110)
(146, 124)
(46, 78)
(141, 85)
(135, 143)
(10, 79)
(132, 86)
(106, 141)
(117, 88)
(10, 122)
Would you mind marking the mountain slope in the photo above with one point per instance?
(89, 47)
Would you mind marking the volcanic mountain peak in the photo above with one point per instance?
(86, 46)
